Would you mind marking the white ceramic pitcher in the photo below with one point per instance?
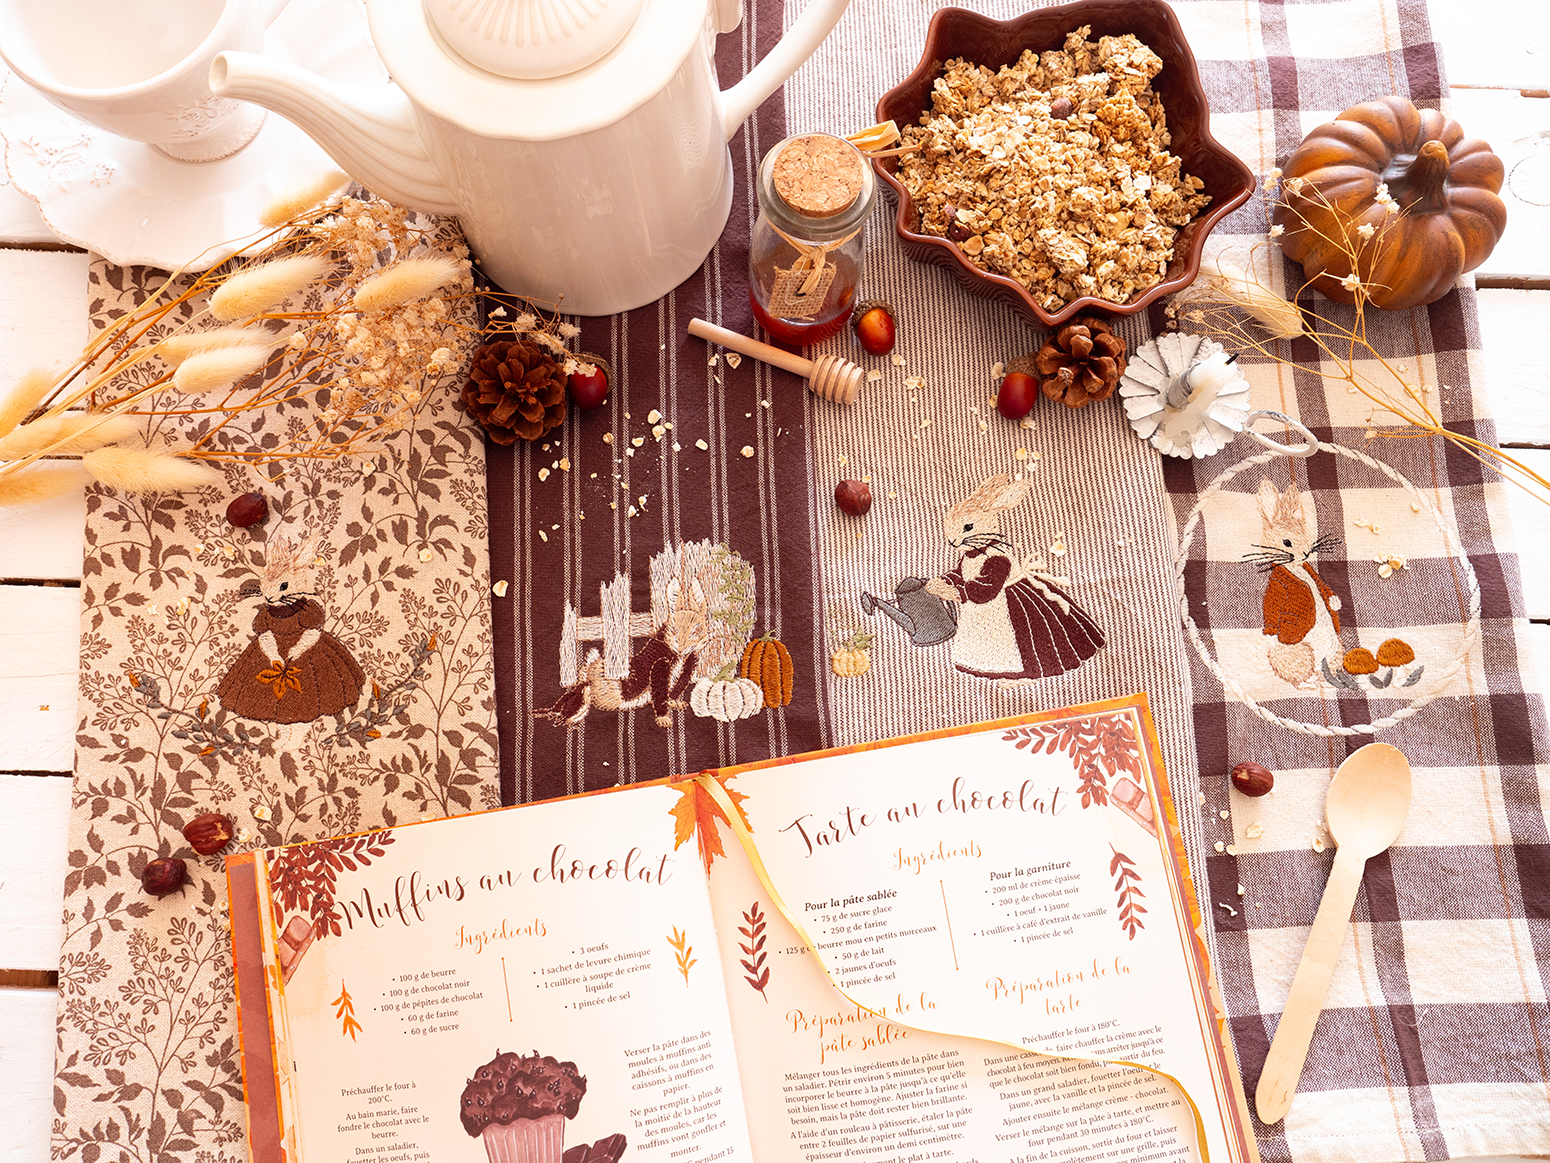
(583, 143)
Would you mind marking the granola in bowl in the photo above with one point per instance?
(1054, 171)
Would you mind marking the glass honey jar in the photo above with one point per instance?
(804, 259)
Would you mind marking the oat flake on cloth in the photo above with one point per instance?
(1434, 1040)
(178, 718)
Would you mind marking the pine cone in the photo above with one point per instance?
(1082, 361)
(515, 389)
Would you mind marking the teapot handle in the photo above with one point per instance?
(799, 43)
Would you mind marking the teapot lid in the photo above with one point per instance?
(532, 39)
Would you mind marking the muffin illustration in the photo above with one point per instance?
(520, 1104)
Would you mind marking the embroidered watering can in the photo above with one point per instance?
(583, 143)
(926, 618)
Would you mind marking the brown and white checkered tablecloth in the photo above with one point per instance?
(1434, 1039)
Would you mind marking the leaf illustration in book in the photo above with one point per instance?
(1007, 617)
(304, 880)
(683, 952)
(755, 972)
(345, 1012)
(696, 812)
(517, 1105)
(699, 622)
(1101, 748)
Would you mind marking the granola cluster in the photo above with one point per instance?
(1055, 171)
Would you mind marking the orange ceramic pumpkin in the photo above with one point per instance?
(1445, 187)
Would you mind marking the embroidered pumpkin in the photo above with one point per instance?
(725, 698)
(852, 660)
(767, 661)
(1446, 216)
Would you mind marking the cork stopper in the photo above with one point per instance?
(818, 176)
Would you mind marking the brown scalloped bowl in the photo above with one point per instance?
(955, 32)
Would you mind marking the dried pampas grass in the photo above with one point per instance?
(259, 288)
(18, 403)
(66, 435)
(406, 281)
(220, 368)
(176, 348)
(41, 482)
(1281, 318)
(301, 198)
(140, 470)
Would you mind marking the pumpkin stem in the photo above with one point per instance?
(1419, 188)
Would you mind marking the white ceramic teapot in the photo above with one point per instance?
(583, 143)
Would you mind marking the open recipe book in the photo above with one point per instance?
(613, 974)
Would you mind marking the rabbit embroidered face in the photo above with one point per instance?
(293, 671)
(974, 521)
(1014, 622)
(289, 574)
(1286, 539)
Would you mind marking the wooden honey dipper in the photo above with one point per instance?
(828, 376)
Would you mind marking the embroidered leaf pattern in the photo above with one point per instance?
(755, 972)
(683, 951)
(303, 878)
(1100, 747)
(346, 1011)
(695, 814)
(1127, 882)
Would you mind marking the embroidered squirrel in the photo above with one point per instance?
(1306, 628)
(661, 669)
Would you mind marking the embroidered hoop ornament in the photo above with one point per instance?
(1390, 659)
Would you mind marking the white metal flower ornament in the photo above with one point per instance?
(1187, 396)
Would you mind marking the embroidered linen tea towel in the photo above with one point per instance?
(323, 672)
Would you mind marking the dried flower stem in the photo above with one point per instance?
(1345, 347)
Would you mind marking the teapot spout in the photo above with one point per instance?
(368, 130)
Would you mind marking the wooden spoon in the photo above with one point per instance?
(1368, 801)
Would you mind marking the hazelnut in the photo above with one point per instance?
(854, 497)
(1252, 779)
(956, 231)
(1060, 108)
(208, 834)
(248, 509)
(163, 876)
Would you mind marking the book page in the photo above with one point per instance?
(984, 882)
(482, 968)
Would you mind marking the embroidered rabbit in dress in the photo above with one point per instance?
(661, 669)
(1015, 622)
(294, 671)
(1306, 628)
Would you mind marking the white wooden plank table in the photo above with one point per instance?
(1499, 67)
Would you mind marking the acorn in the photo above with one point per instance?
(873, 323)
